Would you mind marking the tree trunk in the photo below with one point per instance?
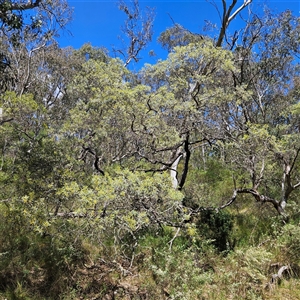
(174, 172)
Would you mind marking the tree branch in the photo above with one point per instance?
(24, 6)
(173, 170)
(139, 34)
(260, 178)
(276, 278)
(227, 18)
(258, 197)
(96, 161)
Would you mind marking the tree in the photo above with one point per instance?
(262, 124)
(227, 16)
(100, 122)
(177, 36)
(11, 12)
(103, 169)
(137, 29)
(24, 37)
(191, 84)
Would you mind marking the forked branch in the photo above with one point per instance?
(228, 16)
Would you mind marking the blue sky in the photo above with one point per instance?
(99, 21)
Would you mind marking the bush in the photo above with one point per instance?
(216, 226)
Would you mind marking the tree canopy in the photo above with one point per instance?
(106, 171)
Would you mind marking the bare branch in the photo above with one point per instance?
(174, 237)
(96, 158)
(137, 28)
(294, 160)
(5, 121)
(246, 2)
(228, 17)
(258, 197)
(296, 185)
(233, 198)
(173, 170)
(261, 173)
(276, 278)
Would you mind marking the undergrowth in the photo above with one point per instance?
(165, 263)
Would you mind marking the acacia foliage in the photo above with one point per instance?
(87, 147)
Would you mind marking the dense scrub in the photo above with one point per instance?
(234, 254)
(180, 181)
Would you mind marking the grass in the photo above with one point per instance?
(164, 264)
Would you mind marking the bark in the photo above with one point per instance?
(186, 163)
(137, 28)
(287, 186)
(85, 151)
(174, 173)
(2, 121)
(70, 215)
(278, 205)
(228, 16)
(20, 7)
(276, 278)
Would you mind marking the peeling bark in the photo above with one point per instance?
(174, 173)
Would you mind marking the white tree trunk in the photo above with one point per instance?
(173, 172)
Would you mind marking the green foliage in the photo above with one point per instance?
(125, 202)
(208, 184)
(246, 270)
(87, 206)
(254, 225)
(178, 270)
(12, 20)
(290, 244)
(87, 52)
(217, 226)
(177, 36)
(35, 254)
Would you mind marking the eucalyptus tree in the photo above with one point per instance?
(185, 90)
(108, 132)
(137, 30)
(183, 78)
(254, 122)
(33, 65)
(12, 12)
(27, 28)
(261, 124)
(32, 89)
(32, 60)
(160, 120)
(177, 36)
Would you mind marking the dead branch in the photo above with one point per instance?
(276, 278)
(173, 238)
(83, 154)
(258, 197)
(228, 16)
